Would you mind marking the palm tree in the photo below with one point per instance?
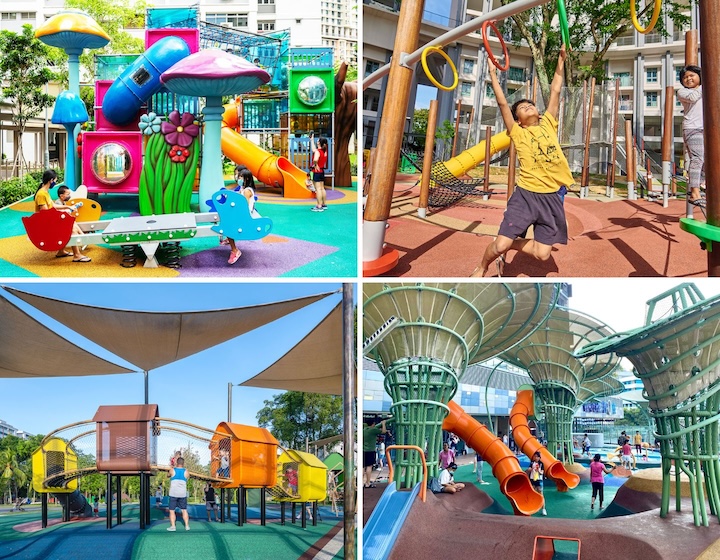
(11, 471)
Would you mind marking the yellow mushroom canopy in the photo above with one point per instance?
(72, 29)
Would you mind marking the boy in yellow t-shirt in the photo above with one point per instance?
(538, 199)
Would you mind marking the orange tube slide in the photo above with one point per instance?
(514, 483)
(554, 470)
(270, 169)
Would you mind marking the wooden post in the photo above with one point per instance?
(428, 159)
(457, 126)
(668, 133)
(368, 172)
(585, 177)
(511, 170)
(390, 133)
(710, 27)
(630, 160)
(610, 191)
(691, 47)
(488, 155)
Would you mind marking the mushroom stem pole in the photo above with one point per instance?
(211, 172)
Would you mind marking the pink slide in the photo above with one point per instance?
(523, 408)
(514, 483)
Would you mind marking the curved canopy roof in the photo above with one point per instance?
(456, 323)
(147, 339)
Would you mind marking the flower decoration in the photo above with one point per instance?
(178, 154)
(180, 130)
(149, 124)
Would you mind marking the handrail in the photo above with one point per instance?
(423, 490)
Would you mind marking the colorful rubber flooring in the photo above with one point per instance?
(302, 244)
(22, 539)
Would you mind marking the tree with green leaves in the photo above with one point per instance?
(13, 472)
(294, 417)
(594, 26)
(24, 70)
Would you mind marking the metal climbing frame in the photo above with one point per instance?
(559, 376)
(676, 358)
(441, 329)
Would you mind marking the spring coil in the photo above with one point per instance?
(129, 260)
(172, 254)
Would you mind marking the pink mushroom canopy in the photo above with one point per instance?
(213, 72)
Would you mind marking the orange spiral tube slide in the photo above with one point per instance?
(272, 170)
(514, 483)
(554, 470)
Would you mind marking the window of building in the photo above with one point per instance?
(516, 74)
(466, 89)
(651, 99)
(468, 66)
(372, 100)
(651, 75)
(235, 20)
(371, 66)
(369, 134)
(27, 15)
(489, 93)
(266, 1)
(266, 26)
(678, 69)
(8, 15)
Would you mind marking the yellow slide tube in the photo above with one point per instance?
(523, 408)
(272, 170)
(460, 164)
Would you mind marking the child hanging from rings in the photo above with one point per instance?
(543, 178)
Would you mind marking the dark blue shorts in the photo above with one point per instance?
(318, 177)
(177, 503)
(544, 211)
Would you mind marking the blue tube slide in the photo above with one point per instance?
(383, 527)
(141, 80)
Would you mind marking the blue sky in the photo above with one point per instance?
(194, 389)
(424, 95)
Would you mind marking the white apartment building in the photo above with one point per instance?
(8, 430)
(312, 23)
(644, 65)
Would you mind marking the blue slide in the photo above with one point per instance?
(141, 80)
(383, 527)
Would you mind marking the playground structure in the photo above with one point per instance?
(548, 357)
(675, 356)
(132, 91)
(590, 134)
(132, 440)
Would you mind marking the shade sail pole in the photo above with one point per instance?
(146, 378)
(348, 393)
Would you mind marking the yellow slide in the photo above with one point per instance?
(460, 164)
(270, 169)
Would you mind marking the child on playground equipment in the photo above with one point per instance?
(245, 186)
(543, 178)
(690, 96)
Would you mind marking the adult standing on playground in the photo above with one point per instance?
(319, 163)
(370, 434)
(43, 201)
(446, 456)
(479, 468)
(543, 173)
(178, 493)
(637, 440)
(210, 503)
(536, 473)
(597, 477)
(690, 96)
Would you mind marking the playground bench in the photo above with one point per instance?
(446, 189)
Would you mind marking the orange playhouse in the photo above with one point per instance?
(243, 456)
